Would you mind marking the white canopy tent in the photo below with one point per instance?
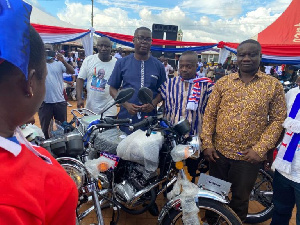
(60, 31)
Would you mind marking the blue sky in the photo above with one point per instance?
(205, 21)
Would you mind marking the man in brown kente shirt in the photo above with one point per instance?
(242, 121)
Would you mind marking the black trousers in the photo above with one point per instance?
(242, 175)
(47, 111)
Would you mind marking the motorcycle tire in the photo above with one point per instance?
(225, 213)
(263, 197)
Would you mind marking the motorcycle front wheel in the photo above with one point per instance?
(218, 212)
(261, 198)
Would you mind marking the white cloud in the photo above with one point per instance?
(201, 29)
(277, 6)
(129, 4)
(224, 8)
(73, 14)
(173, 16)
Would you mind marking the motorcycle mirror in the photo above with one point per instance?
(124, 95)
(145, 95)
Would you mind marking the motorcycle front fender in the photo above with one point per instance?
(175, 203)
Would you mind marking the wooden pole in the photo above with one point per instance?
(92, 13)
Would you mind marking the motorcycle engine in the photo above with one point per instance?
(134, 179)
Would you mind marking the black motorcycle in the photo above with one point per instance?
(105, 180)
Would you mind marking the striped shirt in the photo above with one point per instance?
(176, 97)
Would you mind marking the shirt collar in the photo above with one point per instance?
(15, 148)
(236, 76)
(10, 146)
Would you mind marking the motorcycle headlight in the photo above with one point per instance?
(182, 127)
(76, 173)
(195, 146)
(181, 152)
(195, 143)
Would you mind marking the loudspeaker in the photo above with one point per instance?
(171, 34)
(158, 27)
(157, 33)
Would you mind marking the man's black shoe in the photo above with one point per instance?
(153, 209)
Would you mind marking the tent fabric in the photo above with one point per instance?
(292, 57)
(54, 31)
(54, 34)
(271, 49)
(285, 30)
(128, 38)
(282, 54)
(87, 42)
(155, 48)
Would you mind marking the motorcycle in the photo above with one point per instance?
(71, 152)
(133, 185)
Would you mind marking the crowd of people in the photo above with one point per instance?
(239, 117)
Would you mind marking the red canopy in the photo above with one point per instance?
(285, 30)
(280, 41)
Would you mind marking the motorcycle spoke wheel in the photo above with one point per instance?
(261, 199)
(211, 213)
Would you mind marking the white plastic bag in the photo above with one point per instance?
(137, 147)
(187, 199)
(93, 166)
(180, 152)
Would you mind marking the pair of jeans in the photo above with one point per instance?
(286, 194)
(242, 175)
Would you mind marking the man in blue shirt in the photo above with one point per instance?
(135, 71)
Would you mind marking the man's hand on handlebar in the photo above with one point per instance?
(132, 108)
(210, 154)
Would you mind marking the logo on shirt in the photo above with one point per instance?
(154, 76)
(98, 82)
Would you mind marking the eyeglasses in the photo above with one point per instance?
(104, 46)
(145, 39)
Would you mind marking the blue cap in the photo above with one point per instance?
(14, 29)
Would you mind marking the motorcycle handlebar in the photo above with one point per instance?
(112, 121)
(145, 122)
(104, 125)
